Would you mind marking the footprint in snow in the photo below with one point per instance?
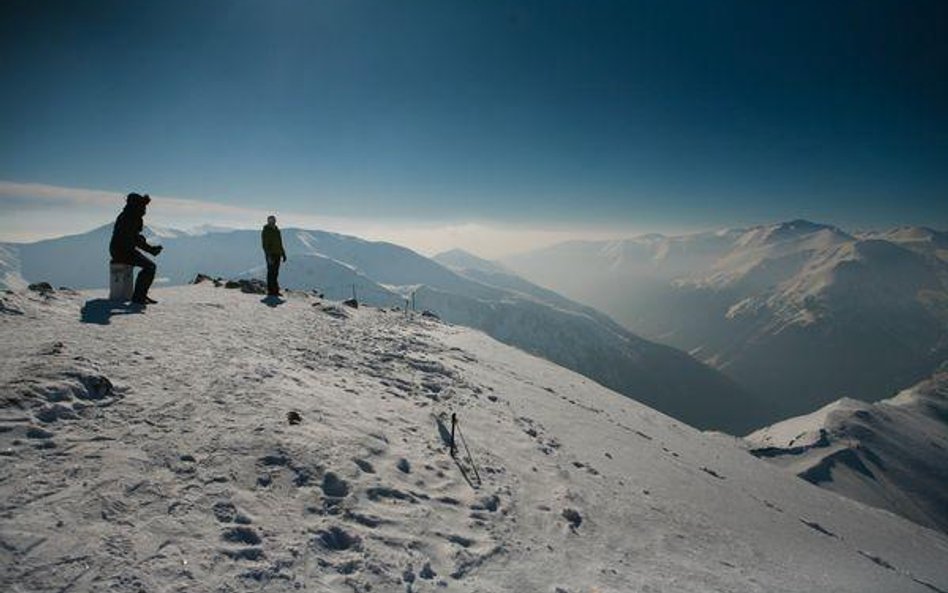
(364, 465)
(817, 527)
(573, 518)
(337, 539)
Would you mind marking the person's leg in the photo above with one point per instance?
(276, 275)
(145, 277)
(273, 264)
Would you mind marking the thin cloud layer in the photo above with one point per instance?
(68, 210)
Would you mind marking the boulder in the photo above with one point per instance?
(41, 287)
(253, 286)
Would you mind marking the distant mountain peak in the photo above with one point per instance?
(803, 224)
(465, 260)
(915, 234)
(801, 227)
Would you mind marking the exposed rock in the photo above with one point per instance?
(41, 287)
(253, 286)
(203, 278)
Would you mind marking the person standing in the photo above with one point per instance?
(273, 250)
(127, 239)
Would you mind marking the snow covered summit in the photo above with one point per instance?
(890, 454)
(217, 442)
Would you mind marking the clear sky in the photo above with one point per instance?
(499, 121)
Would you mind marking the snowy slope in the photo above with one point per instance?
(151, 451)
(890, 454)
(459, 259)
(10, 268)
(799, 313)
(493, 274)
(503, 305)
(336, 280)
(922, 239)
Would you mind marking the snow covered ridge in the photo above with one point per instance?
(890, 454)
(798, 313)
(223, 442)
(506, 306)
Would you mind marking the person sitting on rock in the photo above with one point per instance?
(273, 251)
(127, 239)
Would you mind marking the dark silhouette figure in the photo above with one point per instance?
(273, 251)
(127, 239)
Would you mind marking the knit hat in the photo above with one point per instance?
(137, 199)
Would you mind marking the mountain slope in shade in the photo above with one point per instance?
(153, 451)
(493, 274)
(890, 454)
(501, 304)
(799, 313)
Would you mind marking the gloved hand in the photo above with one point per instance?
(284, 258)
(156, 249)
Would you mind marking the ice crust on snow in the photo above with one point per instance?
(178, 470)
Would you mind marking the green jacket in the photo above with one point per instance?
(272, 241)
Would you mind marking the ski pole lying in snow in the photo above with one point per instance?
(454, 422)
(455, 425)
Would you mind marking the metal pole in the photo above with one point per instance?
(454, 422)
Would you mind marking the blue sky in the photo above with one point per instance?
(582, 116)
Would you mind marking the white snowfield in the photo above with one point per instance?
(890, 454)
(151, 451)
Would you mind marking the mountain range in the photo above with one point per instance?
(799, 313)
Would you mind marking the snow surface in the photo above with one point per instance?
(151, 451)
(890, 454)
(10, 268)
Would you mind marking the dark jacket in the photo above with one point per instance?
(127, 235)
(272, 241)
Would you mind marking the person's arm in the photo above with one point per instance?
(279, 237)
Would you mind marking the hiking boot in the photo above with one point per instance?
(150, 301)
